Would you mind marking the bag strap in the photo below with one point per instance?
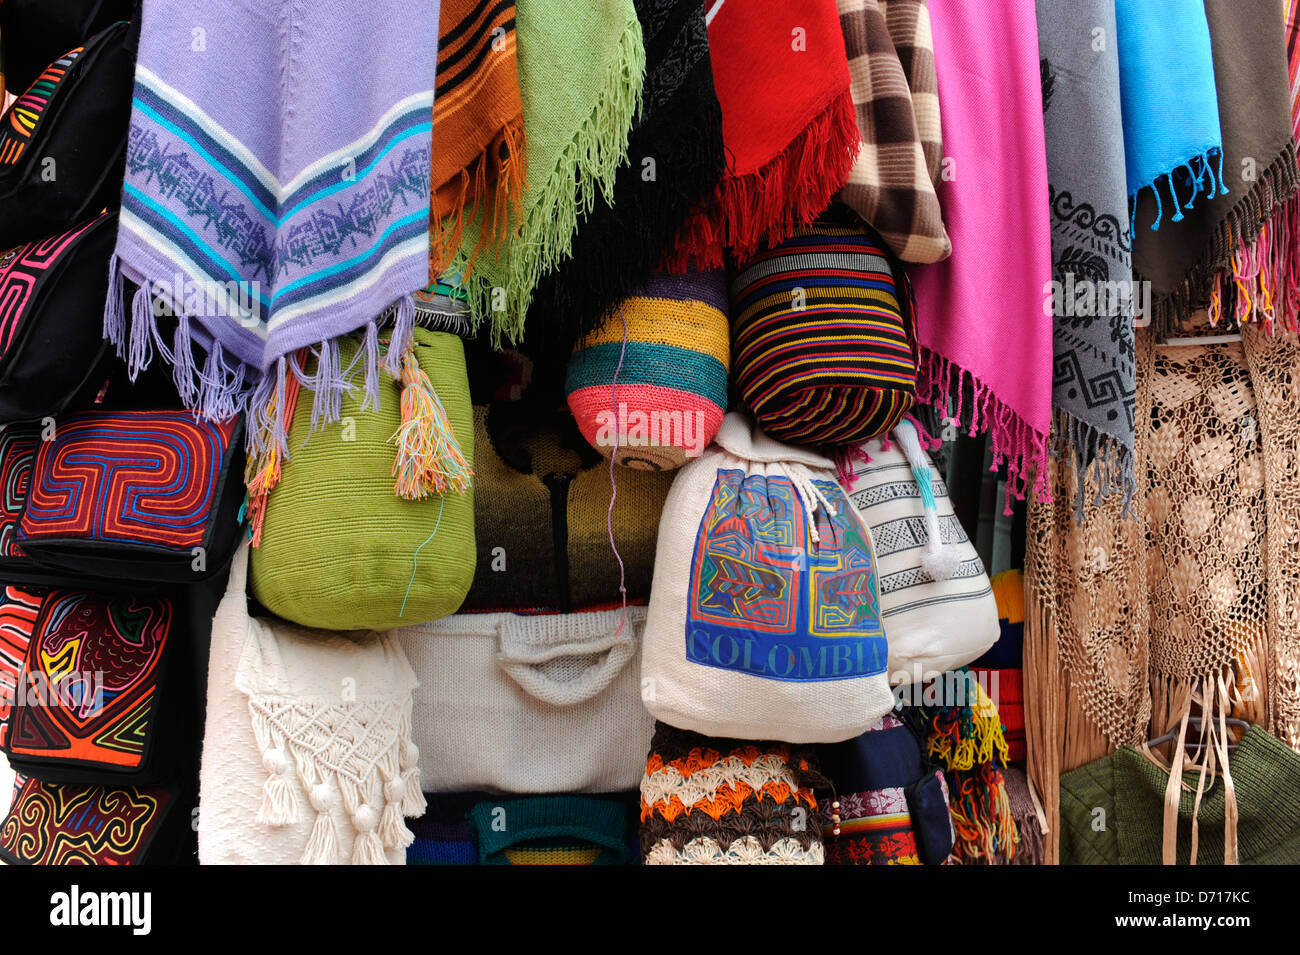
(237, 582)
(527, 643)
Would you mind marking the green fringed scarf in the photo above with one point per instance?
(581, 70)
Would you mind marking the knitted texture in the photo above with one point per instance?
(787, 122)
(550, 830)
(727, 802)
(276, 208)
(581, 70)
(478, 122)
(652, 381)
(825, 335)
(338, 549)
(891, 185)
(308, 756)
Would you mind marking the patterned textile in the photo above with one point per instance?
(91, 681)
(18, 125)
(21, 273)
(18, 610)
(17, 453)
(654, 376)
(908, 22)
(891, 183)
(1291, 15)
(63, 824)
(727, 802)
(478, 122)
(825, 338)
(550, 830)
(875, 829)
(143, 478)
(274, 208)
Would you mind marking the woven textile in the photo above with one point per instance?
(65, 824)
(727, 802)
(275, 208)
(891, 183)
(652, 380)
(825, 334)
(19, 608)
(92, 673)
(908, 23)
(788, 124)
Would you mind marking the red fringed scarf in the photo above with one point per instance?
(788, 121)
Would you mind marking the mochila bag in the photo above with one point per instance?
(52, 346)
(337, 548)
(80, 824)
(34, 33)
(938, 604)
(544, 703)
(307, 754)
(99, 699)
(153, 495)
(764, 618)
(63, 141)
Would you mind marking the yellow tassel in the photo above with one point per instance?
(429, 459)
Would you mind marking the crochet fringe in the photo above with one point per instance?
(770, 203)
(507, 203)
(1023, 449)
(1242, 278)
(587, 163)
(1111, 463)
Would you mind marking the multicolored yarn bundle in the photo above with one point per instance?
(825, 334)
(711, 801)
(654, 376)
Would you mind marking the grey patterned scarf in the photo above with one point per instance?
(1093, 297)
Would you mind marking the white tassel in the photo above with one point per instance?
(938, 559)
(392, 830)
(366, 847)
(413, 801)
(279, 804)
(323, 844)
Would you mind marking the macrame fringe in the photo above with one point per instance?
(768, 204)
(1095, 454)
(1251, 271)
(1014, 442)
(429, 459)
(587, 163)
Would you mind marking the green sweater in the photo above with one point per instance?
(1129, 791)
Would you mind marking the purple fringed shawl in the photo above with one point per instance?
(276, 194)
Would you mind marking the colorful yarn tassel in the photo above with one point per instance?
(429, 459)
(262, 472)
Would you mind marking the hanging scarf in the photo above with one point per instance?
(276, 193)
(675, 159)
(1092, 342)
(980, 314)
(581, 70)
(1236, 252)
(891, 185)
(787, 120)
(478, 123)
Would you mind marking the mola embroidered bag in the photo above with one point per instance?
(63, 141)
(97, 699)
(764, 618)
(153, 495)
(52, 348)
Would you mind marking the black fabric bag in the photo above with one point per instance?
(63, 141)
(35, 33)
(53, 355)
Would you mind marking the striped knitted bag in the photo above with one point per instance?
(823, 334)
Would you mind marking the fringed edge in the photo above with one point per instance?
(1111, 463)
(1201, 172)
(1251, 271)
(768, 204)
(1014, 442)
(507, 182)
(983, 826)
(218, 391)
(588, 162)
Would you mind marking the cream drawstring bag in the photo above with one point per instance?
(307, 754)
(764, 618)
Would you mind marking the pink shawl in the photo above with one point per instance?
(980, 314)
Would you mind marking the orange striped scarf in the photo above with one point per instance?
(478, 127)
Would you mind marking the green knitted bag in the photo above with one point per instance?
(338, 547)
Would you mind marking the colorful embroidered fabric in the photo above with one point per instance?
(17, 452)
(18, 610)
(91, 681)
(21, 272)
(19, 125)
(876, 829)
(62, 824)
(726, 802)
(145, 478)
(825, 340)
